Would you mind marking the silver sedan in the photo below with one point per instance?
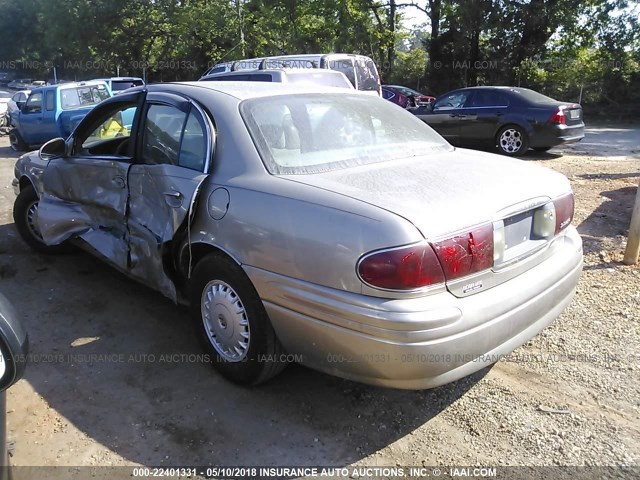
(331, 228)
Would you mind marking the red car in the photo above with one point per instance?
(405, 97)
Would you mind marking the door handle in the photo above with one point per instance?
(174, 194)
(173, 199)
(118, 182)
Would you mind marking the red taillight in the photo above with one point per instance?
(403, 268)
(565, 206)
(558, 117)
(466, 253)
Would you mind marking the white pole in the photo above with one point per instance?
(633, 240)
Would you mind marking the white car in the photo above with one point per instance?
(5, 97)
(15, 103)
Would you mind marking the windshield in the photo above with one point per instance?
(82, 96)
(119, 85)
(367, 73)
(313, 133)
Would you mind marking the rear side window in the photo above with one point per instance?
(193, 149)
(451, 101)
(488, 98)
(174, 137)
(50, 101)
(162, 133)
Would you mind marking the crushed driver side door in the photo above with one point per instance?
(84, 194)
(176, 142)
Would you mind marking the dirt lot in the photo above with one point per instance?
(569, 397)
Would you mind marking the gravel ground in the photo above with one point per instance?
(568, 397)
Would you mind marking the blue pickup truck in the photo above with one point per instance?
(54, 111)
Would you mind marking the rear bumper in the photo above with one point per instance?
(552, 135)
(420, 342)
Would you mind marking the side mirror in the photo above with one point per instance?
(14, 345)
(53, 148)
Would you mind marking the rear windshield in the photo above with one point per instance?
(405, 90)
(119, 85)
(234, 77)
(82, 96)
(533, 97)
(302, 134)
(326, 78)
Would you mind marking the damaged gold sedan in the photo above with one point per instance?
(328, 224)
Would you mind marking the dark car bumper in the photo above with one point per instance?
(552, 135)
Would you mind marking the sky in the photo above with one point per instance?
(412, 17)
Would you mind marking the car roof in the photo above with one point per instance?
(286, 70)
(246, 90)
(492, 87)
(78, 84)
(117, 79)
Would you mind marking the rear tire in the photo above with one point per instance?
(232, 324)
(16, 141)
(512, 140)
(25, 212)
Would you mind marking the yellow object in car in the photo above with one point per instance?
(112, 129)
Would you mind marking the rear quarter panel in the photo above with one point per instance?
(299, 231)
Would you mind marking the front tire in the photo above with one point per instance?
(25, 213)
(16, 141)
(512, 140)
(232, 324)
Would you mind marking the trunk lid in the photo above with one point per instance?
(446, 192)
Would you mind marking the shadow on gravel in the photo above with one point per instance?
(6, 153)
(122, 364)
(610, 221)
(530, 155)
(608, 176)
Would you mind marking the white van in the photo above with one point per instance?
(359, 69)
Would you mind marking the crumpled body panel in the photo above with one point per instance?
(161, 197)
(127, 213)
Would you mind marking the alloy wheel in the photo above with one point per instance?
(511, 140)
